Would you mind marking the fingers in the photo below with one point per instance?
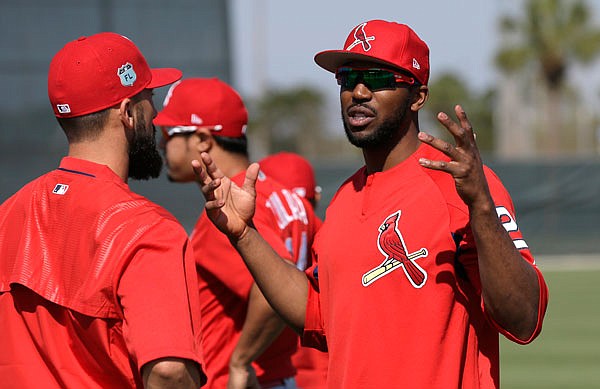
(445, 147)
(251, 177)
(208, 185)
(462, 131)
(211, 167)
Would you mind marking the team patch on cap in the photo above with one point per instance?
(361, 38)
(127, 74)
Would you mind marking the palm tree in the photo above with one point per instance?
(551, 36)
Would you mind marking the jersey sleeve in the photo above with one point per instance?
(314, 332)
(158, 291)
(266, 225)
(468, 253)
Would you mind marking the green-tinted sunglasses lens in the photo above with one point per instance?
(373, 78)
(379, 79)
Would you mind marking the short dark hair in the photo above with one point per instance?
(86, 127)
(233, 145)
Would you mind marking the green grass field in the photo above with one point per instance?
(566, 355)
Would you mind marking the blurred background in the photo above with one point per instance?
(527, 73)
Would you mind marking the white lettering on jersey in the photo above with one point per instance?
(298, 212)
(510, 225)
(301, 261)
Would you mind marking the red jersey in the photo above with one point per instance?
(396, 296)
(311, 365)
(225, 281)
(95, 281)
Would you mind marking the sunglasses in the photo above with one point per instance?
(373, 78)
(168, 132)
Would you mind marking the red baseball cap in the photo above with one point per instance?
(382, 42)
(293, 171)
(93, 73)
(204, 102)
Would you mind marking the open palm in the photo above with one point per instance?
(228, 206)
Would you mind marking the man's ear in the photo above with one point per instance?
(205, 140)
(126, 113)
(419, 97)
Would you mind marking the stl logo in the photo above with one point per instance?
(127, 74)
(392, 246)
(361, 38)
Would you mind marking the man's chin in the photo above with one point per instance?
(176, 179)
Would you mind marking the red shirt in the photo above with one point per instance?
(225, 282)
(95, 281)
(311, 365)
(420, 324)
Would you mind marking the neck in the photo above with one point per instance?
(109, 148)
(384, 157)
(231, 164)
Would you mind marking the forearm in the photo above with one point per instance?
(261, 327)
(283, 285)
(510, 286)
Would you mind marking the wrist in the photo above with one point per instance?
(238, 363)
(236, 239)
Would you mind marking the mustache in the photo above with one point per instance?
(361, 105)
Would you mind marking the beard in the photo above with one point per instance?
(383, 134)
(144, 158)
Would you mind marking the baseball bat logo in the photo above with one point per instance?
(391, 244)
(361, 38)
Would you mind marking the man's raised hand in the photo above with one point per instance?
(228, 206)
(465, 166)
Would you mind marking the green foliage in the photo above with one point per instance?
(551, 34)
(448, 90)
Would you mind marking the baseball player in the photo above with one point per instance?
(295, 172)
(420, 261)
(97, 282)
(245, 342)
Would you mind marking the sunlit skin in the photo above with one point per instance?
(379, 121)
(178, 157)
(510, 288)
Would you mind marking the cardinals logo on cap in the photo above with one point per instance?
(127, 74)
(361, 38)
(392, 246)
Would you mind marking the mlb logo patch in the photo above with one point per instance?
(63, 108)
(60, 189)
(127, 74)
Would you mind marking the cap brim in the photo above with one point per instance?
(164, 76)
(331, 60)
(165, 120)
